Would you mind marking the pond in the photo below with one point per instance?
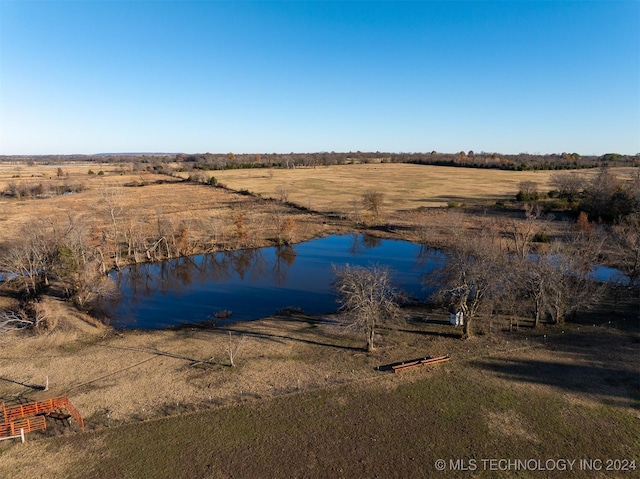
(255, 283)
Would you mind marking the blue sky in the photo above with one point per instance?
(249, 77)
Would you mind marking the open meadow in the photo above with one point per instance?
(406, 187)
(304, 398)
(140, 200)
(327, 199)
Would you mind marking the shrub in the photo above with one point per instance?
(541, 237)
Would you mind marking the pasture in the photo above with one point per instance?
(405, 187)
(304, 399)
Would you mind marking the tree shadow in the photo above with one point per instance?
(440, 334)
(309, 322)
(600, 363)
(37, 387)
(157, 352)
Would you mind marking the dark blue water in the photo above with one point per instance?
(259, 282)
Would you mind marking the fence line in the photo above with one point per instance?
(21, 436)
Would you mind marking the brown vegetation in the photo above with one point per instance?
(59, 247)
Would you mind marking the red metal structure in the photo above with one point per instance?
(31, 416)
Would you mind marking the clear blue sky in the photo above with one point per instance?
(249, 77)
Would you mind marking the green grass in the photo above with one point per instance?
(363, 431)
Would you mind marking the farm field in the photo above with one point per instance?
(406, 187)
(414, 195)
(142, 199)
(304, 399)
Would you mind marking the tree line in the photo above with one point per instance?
(603, 197)
(222, 161)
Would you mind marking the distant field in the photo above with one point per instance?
(411, 194)
(146, 199)
(406, 187)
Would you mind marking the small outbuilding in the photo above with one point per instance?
(457, 319)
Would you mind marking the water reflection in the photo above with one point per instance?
(285, 257)
(362, 242)
(254, 283)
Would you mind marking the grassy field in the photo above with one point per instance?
(537, 399)
(406, 187)
(331, 193)
(304, 400)
(143, 200)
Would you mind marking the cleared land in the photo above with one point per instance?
(304, 400)
(333, 193)
(406, 187)
(142, 199)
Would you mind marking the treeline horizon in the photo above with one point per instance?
(470, 159)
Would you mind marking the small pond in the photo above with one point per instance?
(255, 283)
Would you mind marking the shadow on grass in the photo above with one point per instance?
(617, 386)
(310, 322)
(157, 352)
(598, 362)
(37, 387)
(440, 334)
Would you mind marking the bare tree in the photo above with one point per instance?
(31, 316)
(532, 277)
(283, 193)
(626, 242)
(14, 320)
(29, 261)
(569, 185)
(528, 191)
(372, 200)
(112, 201)
(470, 276)
(233, 350)
(558, 279)
(367, 297)
(570, 286)
(92, 287)
(604, 196)
(355, 215)
(284, 225)
(522, 232)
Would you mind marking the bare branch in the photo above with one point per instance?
(14, 320)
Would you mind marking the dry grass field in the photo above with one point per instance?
(413, 195)
(304, 397)
(406, 187)
(142, 198)
(304, 400)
